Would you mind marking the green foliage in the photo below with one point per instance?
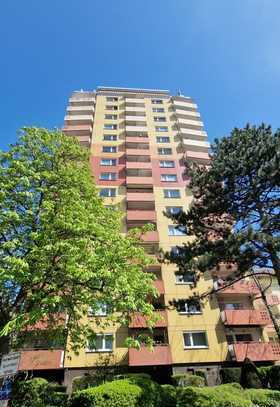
(219, 396)
(264, 375)
(274, 377)
(168, 395)
(61, 249)
(264, 397)
(230, 374)
(151, 391)
(120, 393)
(250, 377)
(83, 382)
(236, 200)
(184, 380)
(38, 393)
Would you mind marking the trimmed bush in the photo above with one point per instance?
(264, 397)
(151, 391)
(129, 375)
(250, 377)
(274, 377)
(83, 382)
(168, 395)
(218, 396)
(230, 374)
(184, 380)
(119, 393)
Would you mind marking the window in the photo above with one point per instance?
(108, 176)
(168, 177)
(110, 126)
(101, 343)
(110, 137)
(233, 338)
(157, 101)
(109, 149)
(163, 140)
(111, 99)
(111, 107)
(111, 116)
(107, 161)
(171, 193)
(164, 151)
(186, 278)
(107, 192)
(188, 307)
(196, 339)
(158, 109)
(173, 210)
(100, 311)
(161, 128)
(176, 230)
(167, 164)
(159, 119)
(231, 306)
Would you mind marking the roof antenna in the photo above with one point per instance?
(179, 93)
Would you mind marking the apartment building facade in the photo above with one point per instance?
(138, 141)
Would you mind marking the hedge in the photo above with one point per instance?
(119, 393)
(274, 377)
(151, 391)
(184, 380)
(38, 393)
(219, 396)
(168, 395)
(230, 374)
(263, 397)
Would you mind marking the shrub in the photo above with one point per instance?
(119, 393)
(151, 391)
(274, 377)
(264, 375)
(184, 380)
(129, 375)
(218, 396)
(250, 377)
(230, 374)
(38, 393)
(168, 395)
(83, 382)
(264, 397)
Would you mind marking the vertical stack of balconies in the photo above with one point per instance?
(78, 121)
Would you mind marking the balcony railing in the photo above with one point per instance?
(137, 151)
(77, 130)
(240, 287)
(140, 197)
(150, 237)
(136, 118)
(160, 355)
(134, 215)
(138, 165)
(140, 321)
(136, 129)
(139, 181)
(41, 359)
(159, 286)
(255, 351)
(245, 317)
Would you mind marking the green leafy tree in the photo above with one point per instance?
(234, 218)
(61, 249)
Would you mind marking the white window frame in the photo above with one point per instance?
(187, 312)
(109, 116)
(112, 149)
(109, 126)
(103, 349)
(162, 176)
(110, 137)
(110, 192)
(160, 139)
(157, 101)
(112, 161)
(168, 192)
(102, 311)
(158, 109)
(110, 176)
(162, 129)
(160, 119)
(162, 152)
(162, 164)
(175, 228)
(177, 282)
(191, 340)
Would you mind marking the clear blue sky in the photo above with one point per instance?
(223, 53)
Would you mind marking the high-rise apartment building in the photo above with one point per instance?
(138, 141)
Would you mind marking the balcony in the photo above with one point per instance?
(150, 237)
(140, 215)
(137, 139)
(139, 165)
(256, 351)
(196, 145)
(241, 287)
(137, 181)
(183, 113)
(134, 109)
(140, 197)
(139, 321)
(78, 119)
(138, 151)
(159, 286)
(184, 104)
(41, 359)
(160, 355)
(187, 132)
(134, 101)
(77, 130)
(245, 317)
(80, 110)
(198, 156)
(189, 122)
(135, 118)
(136, 129)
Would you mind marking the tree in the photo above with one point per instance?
(234, 218)
(61, 249)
